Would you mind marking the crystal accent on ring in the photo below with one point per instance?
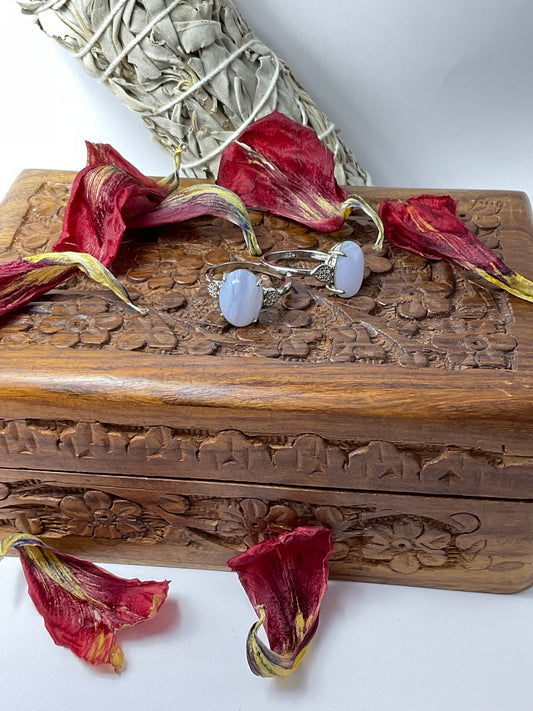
(240, 292)
(324, 273)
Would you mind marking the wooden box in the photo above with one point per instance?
(401, 418)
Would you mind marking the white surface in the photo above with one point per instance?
(429, 93)
(378, 648)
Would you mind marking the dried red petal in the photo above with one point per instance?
(22, 281)
(291, 156)
(104, 154)
(428, 225)
(197, 200)
(82, 604)
(104, 196)
(279, 166)
(285, 579)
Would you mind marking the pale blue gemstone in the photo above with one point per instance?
(240, 297)
(349, 269)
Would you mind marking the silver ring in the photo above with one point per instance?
(341, 269)
(243, 295)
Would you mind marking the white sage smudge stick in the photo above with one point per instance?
(193, 70)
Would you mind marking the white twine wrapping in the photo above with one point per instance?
(192, 69)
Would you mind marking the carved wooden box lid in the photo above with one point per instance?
(421, 382)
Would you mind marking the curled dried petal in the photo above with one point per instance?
(107, 196)
(201, 199)
(285, 579)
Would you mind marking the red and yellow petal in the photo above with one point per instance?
(285, 579)
(280, 166)
(102, 199)
(108, 196)
(82, 604)
(197, 200)
(428, 225)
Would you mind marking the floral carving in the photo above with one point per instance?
(97, 514)
(354, 343)
(143, 332)
(37, 508)
(161, 267)
(416, 299)
(42, 223)
(209, 526)
(253, 520)
(483, 218)
(475, 345)
(406, 545)
(69, 323)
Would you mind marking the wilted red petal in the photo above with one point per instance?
(104, 154)
(82, 604)
(285, 579)
(104, 196)
(428, 225)
(197, 200)
(110, 194)
(280, 166)
(24, 279)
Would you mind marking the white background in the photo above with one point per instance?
(428, 93)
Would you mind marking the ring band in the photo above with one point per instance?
(341, 269)
(242, 296)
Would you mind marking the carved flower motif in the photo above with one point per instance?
(89, 323)
(140, 333)
(406, 545)
(254, 521)
(162, 267)
(475, 346)
(15, 331)
(353, 343)
(98, 514)
(416, 299)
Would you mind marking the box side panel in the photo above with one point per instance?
(305, 459)
(444, 542)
